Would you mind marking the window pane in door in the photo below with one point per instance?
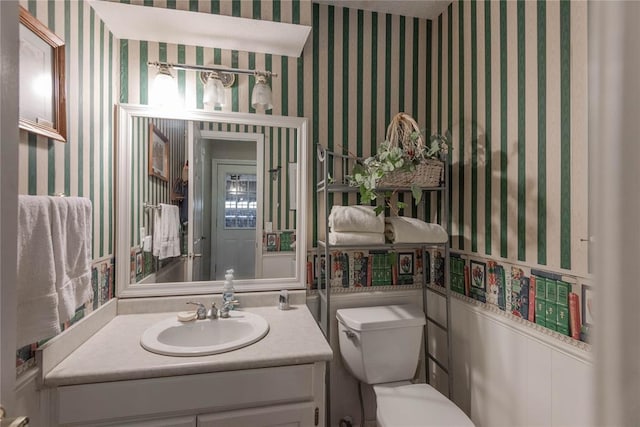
(240, 201)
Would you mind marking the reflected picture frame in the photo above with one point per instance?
(158, 153)
(272, 242)
(43, 102)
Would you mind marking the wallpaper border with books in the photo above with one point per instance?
(557, 305)
(549, 302)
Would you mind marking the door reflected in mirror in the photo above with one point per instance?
(234, 220)
(236, 209)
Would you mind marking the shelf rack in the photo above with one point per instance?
(333, 169)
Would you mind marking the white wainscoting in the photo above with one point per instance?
(506, 374)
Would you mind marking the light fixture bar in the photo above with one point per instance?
(209, 68)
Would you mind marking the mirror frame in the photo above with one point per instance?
(124, 289)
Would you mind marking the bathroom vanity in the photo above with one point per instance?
(99, 374)
(111, 380)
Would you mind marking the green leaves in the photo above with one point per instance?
(416, 192)
(439, 144)
(367, 173)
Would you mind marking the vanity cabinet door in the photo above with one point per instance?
(293, 415)
(164, 422)
(83, 404)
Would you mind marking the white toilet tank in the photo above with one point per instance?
(381, 344)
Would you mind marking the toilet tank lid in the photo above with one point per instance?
(381, 317)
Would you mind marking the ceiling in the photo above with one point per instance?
(427, 9)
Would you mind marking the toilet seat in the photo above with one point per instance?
(417, 405)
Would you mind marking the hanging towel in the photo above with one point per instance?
(37, 311)
(352, 238)
(400, 229)
(356, 218)
(166, 232)
(71, 234)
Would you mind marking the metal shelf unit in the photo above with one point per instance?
(333, 168)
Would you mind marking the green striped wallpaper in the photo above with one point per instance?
(511, 80)
(508, 78)
(366, 67)
(82, 166)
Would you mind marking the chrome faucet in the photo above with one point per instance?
(213, 311)
(201, 312)
(226, 306)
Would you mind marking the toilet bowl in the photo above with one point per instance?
(380, 346)
(414, 405)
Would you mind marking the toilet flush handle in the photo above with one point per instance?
(349, 333)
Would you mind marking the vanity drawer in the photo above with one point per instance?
(220, 391)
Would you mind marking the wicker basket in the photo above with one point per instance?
(428, 173)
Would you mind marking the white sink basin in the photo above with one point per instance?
(171, 337)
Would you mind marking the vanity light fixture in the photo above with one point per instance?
(214, 95)
(165, 88)
(215, 78)
(261, 95)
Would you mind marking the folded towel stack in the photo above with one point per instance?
(56, 234)
(402, 229)
(355, 238)
(355, 225)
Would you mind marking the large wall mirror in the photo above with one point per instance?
(202, 192)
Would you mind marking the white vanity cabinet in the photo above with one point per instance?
(268, 397)
(161, 422)
(293, 415)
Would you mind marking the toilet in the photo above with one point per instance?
(380, 346)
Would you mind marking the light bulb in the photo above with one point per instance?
(261, 95)
(165, 89)
(214, 94)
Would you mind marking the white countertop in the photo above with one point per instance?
(114, 353)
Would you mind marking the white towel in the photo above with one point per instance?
(400, 229)
(37, 311)
(71, 233)
(353, 238)
(166, 232)
(356, 218)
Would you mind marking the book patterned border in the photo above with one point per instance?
(574, 282)
(367, 289)
(534, 326)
